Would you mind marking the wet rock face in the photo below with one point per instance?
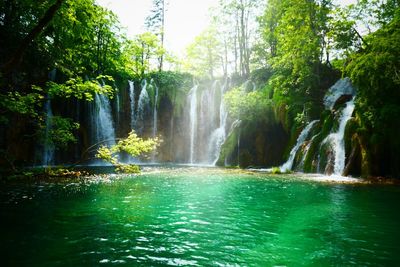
(336, 92)
(341, 101)
(259, 145)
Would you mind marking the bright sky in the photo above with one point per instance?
(184, 20)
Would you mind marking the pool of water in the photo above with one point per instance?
(199, 217)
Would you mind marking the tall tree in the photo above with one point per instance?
(155, 23)
(205, 53)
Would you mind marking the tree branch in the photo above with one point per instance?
(16, 58)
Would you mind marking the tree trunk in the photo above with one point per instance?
(18, 55)
(161, 59)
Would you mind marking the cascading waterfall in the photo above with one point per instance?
(207, 123)
(104, 130)
(155, 128)
(155, 115)
(305, 152)
(337, 139)
(218, 136)
(132, 102)
(143, 103)
(192, 98)
(287, 166)
(48, 150)
(117, 104)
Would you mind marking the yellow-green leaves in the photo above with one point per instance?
(133, 145)
(16, 102)
(81, 89)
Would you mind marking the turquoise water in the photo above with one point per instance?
(199, 217)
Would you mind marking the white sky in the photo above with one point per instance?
(185, 19)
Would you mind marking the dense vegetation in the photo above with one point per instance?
(292, 52)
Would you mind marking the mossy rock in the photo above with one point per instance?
(245, 158)
(228, 151)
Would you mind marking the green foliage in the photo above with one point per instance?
(133, 145)
(375, 72)
(229, 147)
(17, 103)
(80, 89)
(175, 86)
(276, 170)
(296, 36)
(60, 132)
(141, 52)
(204, 54)
(248, 106)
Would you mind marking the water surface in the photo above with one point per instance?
(200, 217)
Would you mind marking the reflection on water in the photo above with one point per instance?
(198, 216)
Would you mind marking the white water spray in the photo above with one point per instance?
(287, 166)
(218, 136)
(337, 139)
(132, 101)
(103, 123)
(193, 119)
(48, 151)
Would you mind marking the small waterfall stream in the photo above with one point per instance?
(104, 130)
(336, 139)
(192, 97)
(287, 166)
(155, 115)
(143, 104)
(218, 136)
(132, 103)
(48, 150)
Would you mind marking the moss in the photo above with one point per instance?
(310, 162)
(245, 158)
(276, 170)
(229, 150)
(173, 85)
(350, 131)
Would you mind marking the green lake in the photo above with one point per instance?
(199, 217)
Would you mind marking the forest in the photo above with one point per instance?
(270, 139)
(245, 89)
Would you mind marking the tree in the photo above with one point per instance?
(143, 50)
(203, 55)
(375, 70)
(241, 14)
(77, 38)
(133, 145)
(155, 23)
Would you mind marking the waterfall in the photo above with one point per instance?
(305, 152)
(132, 100)
(48, 150)
(192, 97)
(143, 103)
(337, 139)
(155, 111)
(218, 136)
(207, 119)
(287, 166)
(341, 88)
(103, 125)
(117, 105)
(155, 128)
